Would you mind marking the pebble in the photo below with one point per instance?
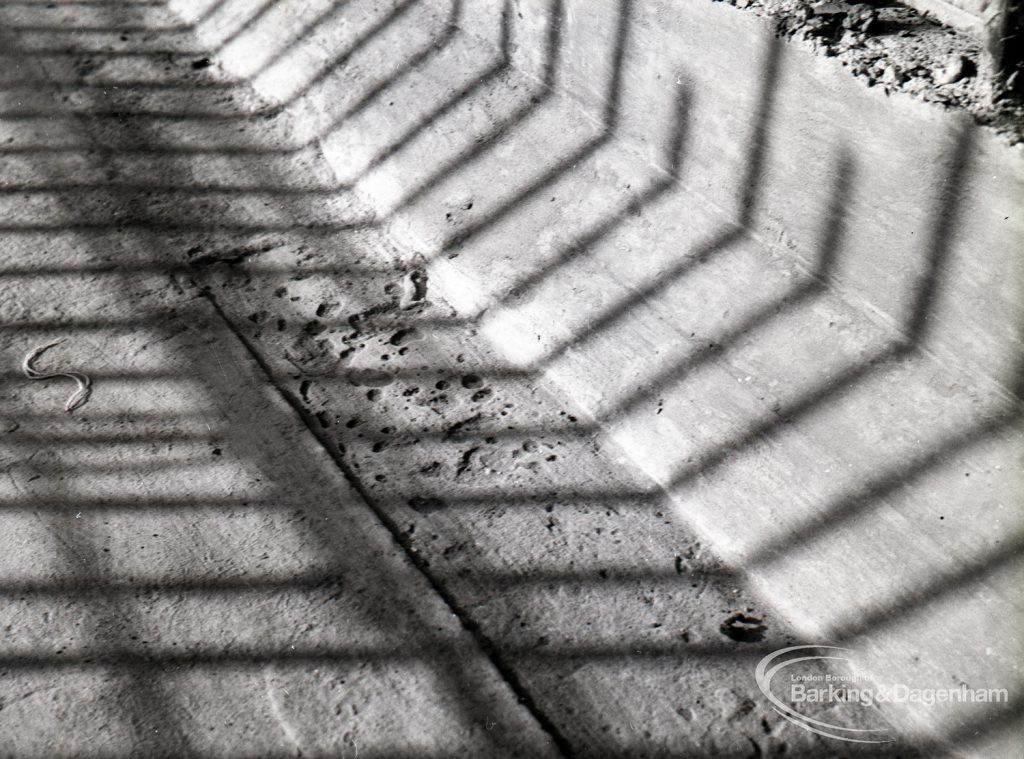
(892, 75)
(860, 18)
(851, 39)
(1015, 82)
(958, 67)
(414, 289)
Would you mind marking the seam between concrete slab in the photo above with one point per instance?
(488, 648)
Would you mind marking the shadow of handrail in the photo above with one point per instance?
(624, 500)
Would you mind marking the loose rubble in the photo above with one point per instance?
(899, 49)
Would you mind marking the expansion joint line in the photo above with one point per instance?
(488, 647)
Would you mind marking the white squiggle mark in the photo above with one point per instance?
(79, 397)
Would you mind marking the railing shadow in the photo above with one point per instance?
(521, 662)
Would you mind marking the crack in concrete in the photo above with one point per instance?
(487, 647)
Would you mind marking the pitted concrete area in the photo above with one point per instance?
(479, 379)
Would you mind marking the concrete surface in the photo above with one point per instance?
(466, 367)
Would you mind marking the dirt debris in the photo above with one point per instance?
(414, 289)
(743, 628)
(901, 50)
